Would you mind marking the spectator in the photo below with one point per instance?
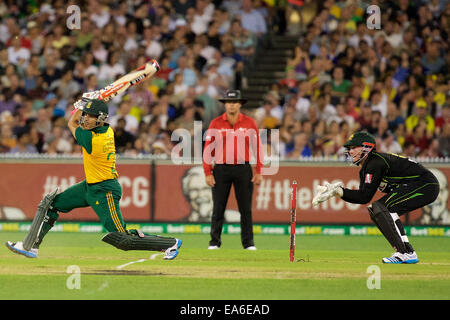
(30, 79)
(131, 36)
(365, 118)
(300, 64)
(180, 88)
(230, 56)
(420, 116)
(222, 17)
(110, 70)
(444, 140)
(359, 36)
(84, 35)
(325, 110)
(393, 117)
(389, 144)
(181, 6)
(124, 140)
(50, 72)
(99, 15)
(432, 61)
(214, 38)
(340, 86)
(17, 54)
(303, 99)
(409, 150)
(419, 138)
(378, 102)
(391, 71)
(443, 119)
(242, 41)
(434, 150)
(251, 19)
(189, 76)
(165, 70)
(58, 142)
(15, 87)
(141, 96)
(132, 123)
(159, 148)
(59, 39)
(265, 116)
(91, 64)
(35, 36)
(24, 144)
(7, 140)
(375, 122)
(153, 47)
(203, 12)
(342, 116)
(66, 87)
(301, 147)
(98, 50)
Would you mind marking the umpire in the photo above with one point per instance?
(231, 139)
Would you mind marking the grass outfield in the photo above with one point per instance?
(328, 267)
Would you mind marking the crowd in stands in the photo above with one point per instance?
(342, 77)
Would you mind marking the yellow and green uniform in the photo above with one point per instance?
(100, 190)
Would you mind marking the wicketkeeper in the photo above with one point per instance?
(100, 190)
(407, 186)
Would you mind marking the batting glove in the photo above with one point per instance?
(91, 95)
(327, 191)
(79, 105)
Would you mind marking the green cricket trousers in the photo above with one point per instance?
(103, 197)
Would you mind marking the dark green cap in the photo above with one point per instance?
(96, 107)
(361, 139)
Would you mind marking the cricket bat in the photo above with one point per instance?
(130, 79)
(293, 221)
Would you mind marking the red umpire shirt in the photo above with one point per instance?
(228, 144)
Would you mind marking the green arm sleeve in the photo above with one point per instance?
(84, 139)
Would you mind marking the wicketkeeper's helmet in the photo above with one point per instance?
(360, 139)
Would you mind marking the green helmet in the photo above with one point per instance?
(98, 108)
(361, 139)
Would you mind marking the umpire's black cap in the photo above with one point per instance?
(233, 96)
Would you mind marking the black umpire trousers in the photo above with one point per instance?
(240, 177)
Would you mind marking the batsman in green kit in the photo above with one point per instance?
(100, 190)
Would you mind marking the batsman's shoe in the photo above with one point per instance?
(17, 247)
(172, 252)
(213, 248)
(398, 258)
(251, 248)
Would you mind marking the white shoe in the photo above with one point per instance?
(253, 248)
(17, 247)
(172, 252)
(398, 258)
(213, 248)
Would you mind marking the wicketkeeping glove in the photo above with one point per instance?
(323, 193)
